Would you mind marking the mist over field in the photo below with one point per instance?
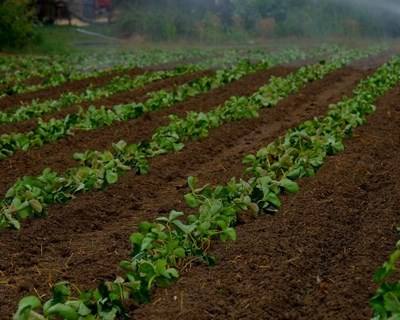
(218, 20)
(212, 22)
(151, 150)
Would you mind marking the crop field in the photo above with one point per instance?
(237, 183)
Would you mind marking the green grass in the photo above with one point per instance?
(62, 39)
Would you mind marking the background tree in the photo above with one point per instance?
(16, 23)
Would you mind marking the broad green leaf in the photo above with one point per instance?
(382, 273)
(83, 310)
(289, 185)
(230, 234)
(126, 265)
(192, 182)
(146, 243)
(12, 221)
(173, 215)
(145, 226)
(64, 311)
(173, 273)
(120, 146)
(61, 291)
(25, 306)
(392, 302)
(183, 227)
(147, 268)
(179, 252)
(108, 315)
(274, 199)
(36, 205)
(111, 177)
(191, 200)
(161, 266)
(136, 238)
(204, 226)
(294, 173)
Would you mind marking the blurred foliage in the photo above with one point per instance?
(210, 21)
(322, 17)
(213, 20)
(16, 24)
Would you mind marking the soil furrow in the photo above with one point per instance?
(76, 86)
(58, 155)
(315, 259)
(136, 95)
(84, 240)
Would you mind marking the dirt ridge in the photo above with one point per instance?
(84, 240)
(135, 95)
(58, 155)
(76, 86)
(315, 259)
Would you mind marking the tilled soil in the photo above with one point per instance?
(315, 259)
(58, 155)
(83, 240)
(136, 95)
(28, 82)
(14, 101)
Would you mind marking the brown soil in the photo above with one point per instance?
(137, 95)
(83, 240)
(14, 100)
(28, 82)
(54, 92)
(58, 155)
(315, 259)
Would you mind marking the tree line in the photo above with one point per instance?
(170, 19)
(219, 20)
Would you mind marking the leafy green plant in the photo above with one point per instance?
(94, 118)
(99, 169)
(58, 69)
(118, 84)
(160, 248)
(386, 301)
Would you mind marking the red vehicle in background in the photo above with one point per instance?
(103, 5)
